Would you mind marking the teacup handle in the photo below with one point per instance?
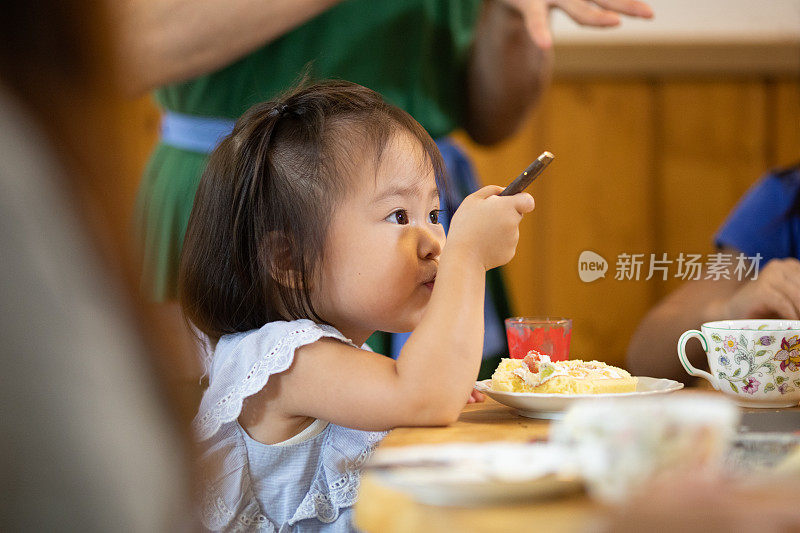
(685, 360)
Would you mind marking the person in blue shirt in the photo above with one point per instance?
(764, 225)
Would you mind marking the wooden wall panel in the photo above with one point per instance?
(596, 195)
(141, 119)
(647, 166)
(598, 198)
(711, 139)
(785, 122)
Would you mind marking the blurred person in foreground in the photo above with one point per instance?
(90, 440)
(764, 225)
(701, 505)
(471, 64)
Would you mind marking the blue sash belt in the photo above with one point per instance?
(194, 133)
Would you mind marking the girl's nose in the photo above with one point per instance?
(431, 242)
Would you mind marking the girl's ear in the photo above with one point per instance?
(277, 250)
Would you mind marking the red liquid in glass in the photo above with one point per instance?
(551, 341)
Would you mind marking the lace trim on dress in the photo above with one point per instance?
(323, 501)
(226, 474)
(277, 360)
(324, 505)
(216, 516)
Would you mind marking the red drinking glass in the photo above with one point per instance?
(546, 335)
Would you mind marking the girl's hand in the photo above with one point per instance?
(486, 226)
(584, 12)
(775, 293)
(476, 397)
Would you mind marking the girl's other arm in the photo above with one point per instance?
(431, 380)
(163, 41)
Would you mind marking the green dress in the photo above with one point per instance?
(413, 52)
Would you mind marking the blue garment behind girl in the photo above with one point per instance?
(767, 218)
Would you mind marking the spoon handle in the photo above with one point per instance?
(528, 175)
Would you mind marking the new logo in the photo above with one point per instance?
(591, 266)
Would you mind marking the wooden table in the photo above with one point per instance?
(381, 509)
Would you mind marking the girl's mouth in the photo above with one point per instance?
(430, 284)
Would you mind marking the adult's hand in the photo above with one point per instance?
(599, 13)
(775, 293)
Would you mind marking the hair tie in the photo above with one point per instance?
(278, 111)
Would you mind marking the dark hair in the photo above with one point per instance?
(260, 218)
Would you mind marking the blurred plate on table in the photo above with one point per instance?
(466, 474)
(769, 454)
(552, 405)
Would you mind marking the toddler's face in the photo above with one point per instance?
(383, 246)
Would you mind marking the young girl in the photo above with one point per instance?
(316, 224)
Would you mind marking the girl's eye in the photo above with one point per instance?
(400, 217)
(434, 216)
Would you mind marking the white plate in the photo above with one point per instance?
(550, 405)
(467, 474)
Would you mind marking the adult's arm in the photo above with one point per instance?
(653, 347)
(512, 57)
(163, 41)
(506, 75)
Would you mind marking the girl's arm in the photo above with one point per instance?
(164, 41)
(431, 380)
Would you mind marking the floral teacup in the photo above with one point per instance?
(755, 361)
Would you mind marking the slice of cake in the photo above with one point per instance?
(537, 373)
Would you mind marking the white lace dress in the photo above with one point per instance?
(308, 483)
